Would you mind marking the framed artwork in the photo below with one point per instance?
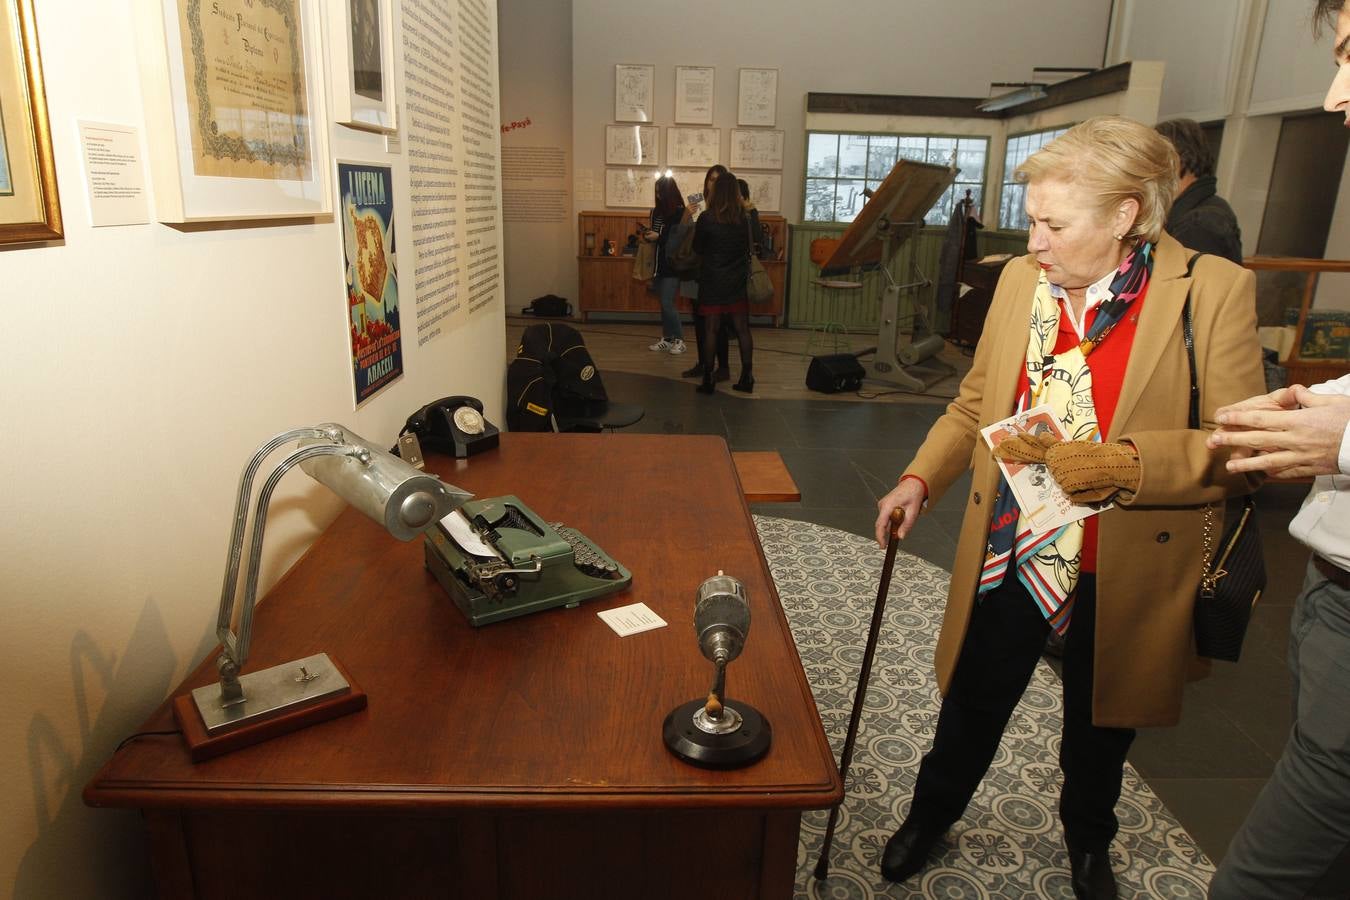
(632, 145)
(633, 87)
(361, 45)
(370, 275)
(756, 148)
(631, 188)
(30, 209)
(757, 97)
(226, 140)
(693, 146)
(694, 95)
(766, 190)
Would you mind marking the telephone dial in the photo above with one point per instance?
(454, 426)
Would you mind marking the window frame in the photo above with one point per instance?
(956, 188)
(1020, 223)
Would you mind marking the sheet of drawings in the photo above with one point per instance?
(632, 145)
(756, 149)
(757, 97)
(633, 92)
(628, 188)
(1043, 504)
(694, 95)
(690, 181)
(766, 190)
(693, 146)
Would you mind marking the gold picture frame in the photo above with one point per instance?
(30, 205)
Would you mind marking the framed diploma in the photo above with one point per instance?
(235, 120)
(694, 95)
(361, 49)
(757, 97)
(30, 209)
(633, 92)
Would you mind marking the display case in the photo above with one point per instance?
(606, 283)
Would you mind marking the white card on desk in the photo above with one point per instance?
(631, 619)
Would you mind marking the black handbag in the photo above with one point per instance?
(1233, 572)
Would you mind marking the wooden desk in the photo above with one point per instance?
(523, 759)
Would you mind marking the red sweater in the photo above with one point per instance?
(1107, 364)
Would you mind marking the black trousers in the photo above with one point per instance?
(1006, 636)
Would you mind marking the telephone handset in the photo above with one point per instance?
(454, 426)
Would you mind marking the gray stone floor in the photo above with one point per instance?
(844, 455)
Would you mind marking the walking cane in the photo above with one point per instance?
(892, 544)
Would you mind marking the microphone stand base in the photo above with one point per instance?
(732, 750)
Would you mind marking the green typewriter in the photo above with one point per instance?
(497, 559)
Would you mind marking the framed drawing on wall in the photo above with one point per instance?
(631, 188)
(633, 92)
(693, 146)
(694, 95)
(756, 148)
(30, 209)
(235, 120)
(632, 145)
(361, 47)
(757, 97)
(766, 191)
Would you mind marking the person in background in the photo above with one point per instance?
(723, 370)
(722, 240)
(669, 210)
(1295, 841)
(756, 231)
(1200, 218)
(1089, 322)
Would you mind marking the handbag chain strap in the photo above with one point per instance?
(1209, 578)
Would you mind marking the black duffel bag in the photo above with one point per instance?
(832, 374)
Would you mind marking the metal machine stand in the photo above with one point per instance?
(907, 359)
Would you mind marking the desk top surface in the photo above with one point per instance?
(548, 710)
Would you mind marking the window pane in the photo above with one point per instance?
(822, 154)
(970, 157)
(819, 200)
(852, 155)
(915, 148)
(880, 156)
(940, 150)
(941, 213)
(848, 199)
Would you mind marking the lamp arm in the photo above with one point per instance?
(236, 547)
(235, 648)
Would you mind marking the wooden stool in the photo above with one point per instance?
(832, 328)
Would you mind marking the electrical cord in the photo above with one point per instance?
(140, 734)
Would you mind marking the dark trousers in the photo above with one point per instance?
(1006, 636)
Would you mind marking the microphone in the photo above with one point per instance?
(712, 732)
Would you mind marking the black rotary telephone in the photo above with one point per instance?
(454, 426)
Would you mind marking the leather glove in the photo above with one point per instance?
(1089, 472)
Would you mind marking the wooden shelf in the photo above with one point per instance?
(606, 283)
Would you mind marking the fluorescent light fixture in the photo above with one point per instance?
(1024, 93)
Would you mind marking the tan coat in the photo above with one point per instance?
(1149, 551)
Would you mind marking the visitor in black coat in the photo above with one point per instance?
(722, 240)
(1200, 218)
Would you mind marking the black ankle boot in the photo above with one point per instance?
(707, 387)
(746, 385)
(695, 372)
(907, 852)
(1091, 876)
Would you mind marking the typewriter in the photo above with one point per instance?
(497, 559)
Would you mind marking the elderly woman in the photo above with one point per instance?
(1089, 322)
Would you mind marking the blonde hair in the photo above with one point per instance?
(1115, 159)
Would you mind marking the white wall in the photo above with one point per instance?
(920, 47)
(144, 364)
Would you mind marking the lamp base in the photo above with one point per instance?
(279, 700)
(741, 747)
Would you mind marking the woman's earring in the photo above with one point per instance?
(1118, 237)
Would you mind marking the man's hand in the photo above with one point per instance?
(908, 495)
(1291, 432)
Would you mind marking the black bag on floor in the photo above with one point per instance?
(832, 374)
(549, 305)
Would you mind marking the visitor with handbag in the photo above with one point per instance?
(721, 237)
(666, 214)
(1090, 324)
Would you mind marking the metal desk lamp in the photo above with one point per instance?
(247, 708)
